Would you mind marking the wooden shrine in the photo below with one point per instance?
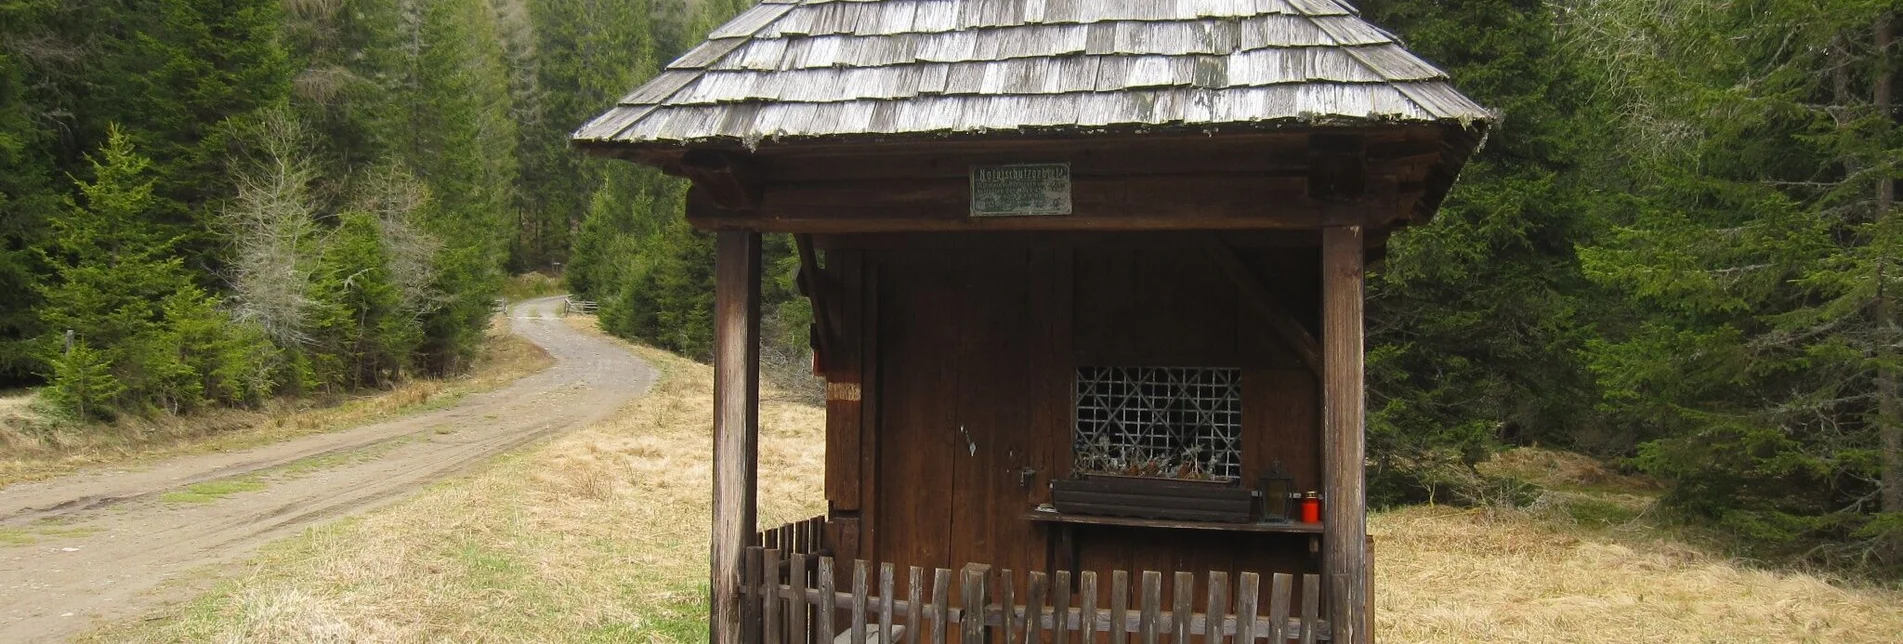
(1086, 276)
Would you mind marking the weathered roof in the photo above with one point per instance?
(790, 69)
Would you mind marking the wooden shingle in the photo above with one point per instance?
(844, 69)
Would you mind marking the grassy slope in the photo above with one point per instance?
(33, 448)
(601, 536)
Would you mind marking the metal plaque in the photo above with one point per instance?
(1020, 190)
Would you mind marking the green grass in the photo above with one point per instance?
(210, 491)
(41, 531)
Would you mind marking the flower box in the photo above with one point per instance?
(1153, 498)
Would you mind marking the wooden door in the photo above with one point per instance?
(957, 397)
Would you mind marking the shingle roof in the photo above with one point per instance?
(790, 69)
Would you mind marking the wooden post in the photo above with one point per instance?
(1344, 515)
(736, 422)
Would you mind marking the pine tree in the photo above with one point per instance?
(462, 143)
(1755, 237)
(114, 266)
(27, 196)
(1472, 319)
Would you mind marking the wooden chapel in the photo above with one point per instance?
(1087, 278)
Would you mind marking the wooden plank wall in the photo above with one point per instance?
(975, 344)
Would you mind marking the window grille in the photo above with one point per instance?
(1181, 423)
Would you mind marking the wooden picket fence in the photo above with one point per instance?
(798, 538)
(796, 599)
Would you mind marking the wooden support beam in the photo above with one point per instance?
(736, 423)
(1122, 203)
(1344, 508)
(1281, 321)
(730, 181)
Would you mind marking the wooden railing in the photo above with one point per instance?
(584, 307)
(796, 599)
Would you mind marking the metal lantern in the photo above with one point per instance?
(1276, 486)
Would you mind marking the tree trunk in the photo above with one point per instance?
(1889, 405)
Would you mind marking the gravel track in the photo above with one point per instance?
(130, 541)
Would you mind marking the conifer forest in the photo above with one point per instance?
(1675, 252)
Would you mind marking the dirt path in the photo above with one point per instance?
(104, 541)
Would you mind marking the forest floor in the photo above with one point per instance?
(601, 535)
(113, 542)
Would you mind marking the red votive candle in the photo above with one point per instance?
(1312, 508)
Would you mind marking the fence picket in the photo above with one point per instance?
(787, 599)
(1182, 609)
(859, 601)
(941, 595)
(770, 595)
(1311, 606)
(1152, 606)
(1060, 608)
(796, 574)
(1248, 590)
(1216, 608)
(914, 604)
(751, 578)
(1034, 608)
(885, 604)
(1278, 608)
(1007, 600)
(824, 611)
(973, 585)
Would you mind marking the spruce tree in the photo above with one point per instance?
(1755, 238)
(114, 266)
(1473, 319)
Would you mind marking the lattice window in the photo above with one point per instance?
(1181, 423)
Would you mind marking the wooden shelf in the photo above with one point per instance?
(1091, 519)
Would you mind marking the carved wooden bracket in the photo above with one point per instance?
(727, 180)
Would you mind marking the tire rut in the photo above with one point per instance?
(134, 541)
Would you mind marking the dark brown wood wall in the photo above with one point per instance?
(967, 354)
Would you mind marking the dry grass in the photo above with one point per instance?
(1553, 469)
(602, 536)
(598, 536)
(532, 285)
(33, 447)
(1477, 576)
